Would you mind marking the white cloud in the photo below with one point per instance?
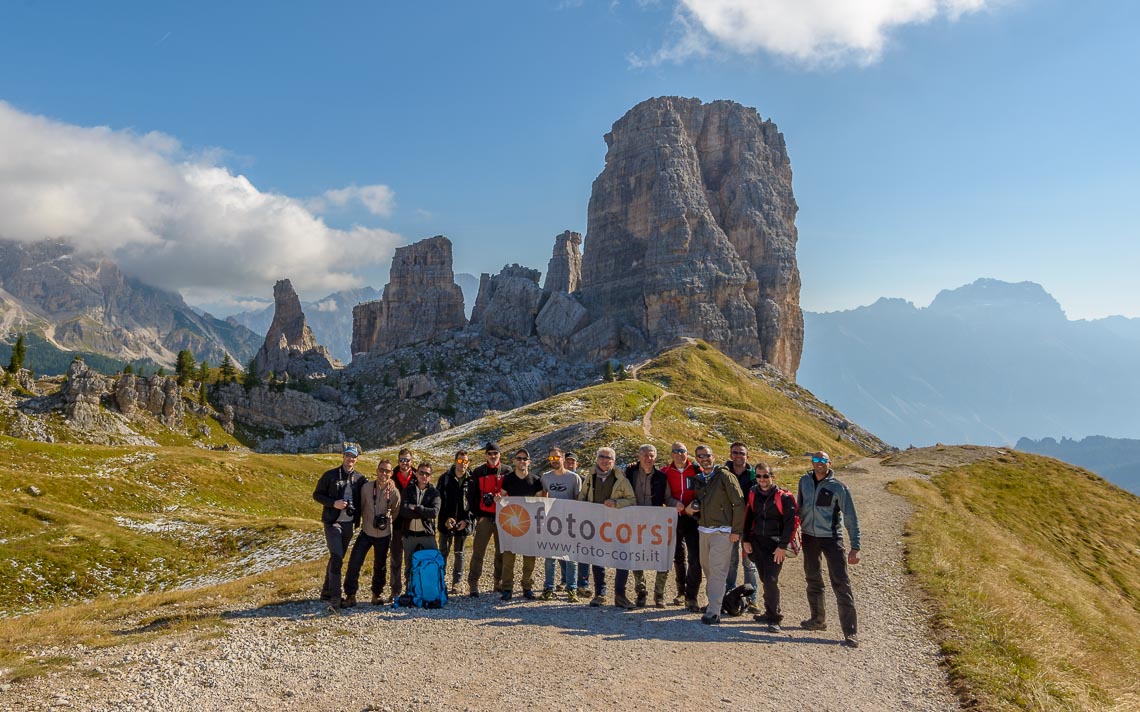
(811, 32)
(328, 305)
(173, 219)
(377, 199)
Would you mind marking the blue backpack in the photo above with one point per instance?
(427, 586)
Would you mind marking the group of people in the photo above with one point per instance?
(727, 513)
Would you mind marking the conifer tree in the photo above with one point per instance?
(19, 351)
(204, 371)
(226, 373)
(184, 367)
(128, 369)
(250, 379)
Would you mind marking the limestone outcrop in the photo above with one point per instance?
(290, 347)
(564, 271)
(420, 301)
(692, 233)
(509, 302)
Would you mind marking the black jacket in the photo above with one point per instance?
(453, 498)
(658, 483)
(479, 487)
(427, 511)
(746, 479)
(330, 488)
(763, 523)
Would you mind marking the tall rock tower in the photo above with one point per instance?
(692, 231)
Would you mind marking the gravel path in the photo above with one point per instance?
(482, 654)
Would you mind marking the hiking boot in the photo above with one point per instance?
(528, 594)
(622, 602)
(642, 599)
(453, 589)
(851, 641)
(680, 600)
(658, 601)
(691, 604)
(775, 628)
(505, 595)
(813, 624)
(547, 595)
(572, 596)
(473, 593)
(349, 602)
(753, 608)
(325, 595)
(377, 599)
(334, 604)
(710, 619)
(597, 601)
(560, 587)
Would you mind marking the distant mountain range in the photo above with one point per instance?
(986, 363)
(76, 303)
(1115, 459)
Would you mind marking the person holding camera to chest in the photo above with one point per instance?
(455, 522)
(486, 485)
(338, 491)
(419, 508)
(379, 505)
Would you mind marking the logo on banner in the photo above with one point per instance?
(514, 520)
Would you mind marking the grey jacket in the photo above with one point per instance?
(826, 507)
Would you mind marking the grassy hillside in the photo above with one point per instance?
(105, 523)
(1034, 567)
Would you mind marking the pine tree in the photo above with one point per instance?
(226, 373)
(609, 372)
(184, 367)
(19, 351)
(250, 379)
(160, 372)
(202, 393)
(128, 369)
(204, 371)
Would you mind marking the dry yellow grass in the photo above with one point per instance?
(1034, 567)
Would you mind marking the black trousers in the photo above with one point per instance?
(688, 572)
(769, 570)
(337, 537)
(831, 548)
(451, 544)
(379, 545)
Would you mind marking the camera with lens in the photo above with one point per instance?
(350, 509)
(488, 499)
(380, 521)
(450, 524)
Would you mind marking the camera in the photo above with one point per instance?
(350, 509)
(450, 524)
(380, 521)
(696, 505)
(488, 499)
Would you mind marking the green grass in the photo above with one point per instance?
(1034, 568)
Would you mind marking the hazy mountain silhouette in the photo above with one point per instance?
(1115, 459)
(986, 363)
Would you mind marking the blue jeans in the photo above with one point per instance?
(569, 574)
(751, 573)
(620, 580)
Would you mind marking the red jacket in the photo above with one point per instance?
(679, 489)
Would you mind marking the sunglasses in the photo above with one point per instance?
(704, 455)
(820, 459)
(405, 459)
(522, 459)
(461, 460)
(384, 472)
(425, 473)
(737, 452)
(680, 451)
(605, 457)
(763, 477)
(492, 454)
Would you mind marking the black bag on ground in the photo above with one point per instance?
(736, 601)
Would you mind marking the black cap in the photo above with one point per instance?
(491, 447)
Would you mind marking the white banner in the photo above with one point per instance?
(634, 538)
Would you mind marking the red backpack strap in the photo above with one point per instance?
(752, 499)
(779, 497)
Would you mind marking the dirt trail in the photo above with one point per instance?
(484, 654)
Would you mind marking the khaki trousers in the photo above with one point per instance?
(716, 554)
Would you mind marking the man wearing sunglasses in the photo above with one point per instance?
(482, 498)
(455, 521)
(560, 483)
(721, 525)
(420, 509)
(520, 483)
(338, 491)
(825, 507)
(649, 487)
(768, 528)
(404, 477)
(605, 485)
(746, 476)
(680, 473)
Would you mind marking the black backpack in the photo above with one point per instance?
(736, 601)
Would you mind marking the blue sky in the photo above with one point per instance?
(976, 138)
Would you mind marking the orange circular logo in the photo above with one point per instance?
(514, 520)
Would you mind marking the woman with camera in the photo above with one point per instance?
(379, 505)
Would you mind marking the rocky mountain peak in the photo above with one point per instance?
(691, 232)
(994, 295)
(420, 300)
(290, 347)
(564, 271)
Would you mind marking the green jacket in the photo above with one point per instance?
(621, 491)
(722, 502)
